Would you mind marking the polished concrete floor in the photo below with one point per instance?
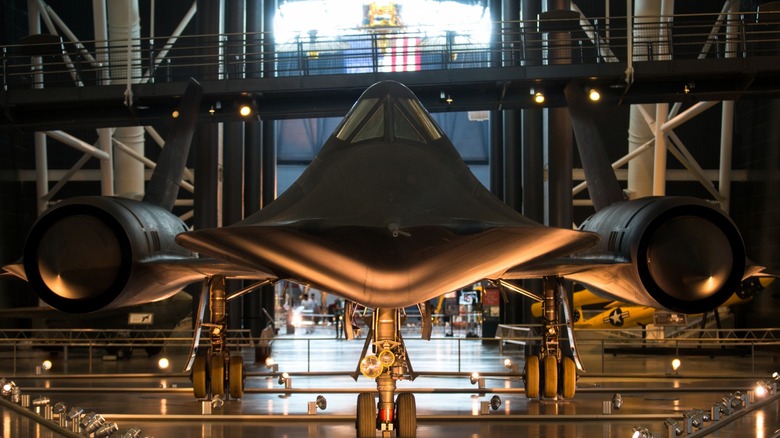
(134, 393)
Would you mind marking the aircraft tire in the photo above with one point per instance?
(199, 377)
(366, 415)
(550, 376)
(568, 377)
(406, 415)
(217, 375)
(236, 377)
(531, 376)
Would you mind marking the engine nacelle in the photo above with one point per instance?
(683, 254)
(92, 253)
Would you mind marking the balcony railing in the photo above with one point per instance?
(52, 61)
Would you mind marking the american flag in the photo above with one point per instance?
(400, 54)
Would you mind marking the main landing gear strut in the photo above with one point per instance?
(551, 370)
(387, 364)
(216, 373)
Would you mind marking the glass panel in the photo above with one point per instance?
(374, 128)
(423, 120)
(361, 109)
(403, 128)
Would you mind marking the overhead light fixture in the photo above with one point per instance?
(594, 95)
(511, 366)
(537, 96)
(46, 365)
(446, 97)
(163, 363)
(175, 114)
(245, 110)
(474, 377)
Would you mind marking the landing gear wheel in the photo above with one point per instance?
(217, 375)
(236, 377)
(366, 415)
(199, 377)
(406, 415)
(569, 377)
(531, 376)
(550, 376)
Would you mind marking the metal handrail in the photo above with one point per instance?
(516, 44)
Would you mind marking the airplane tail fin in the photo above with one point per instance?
(603, 185)
(163, 187)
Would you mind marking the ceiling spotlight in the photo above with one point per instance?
(245, 110)
(539, 97)
(212, 110)
(175, 114)
(676, 363)
(594, 95)
(163, 363)
(46, 365)
(474, 377)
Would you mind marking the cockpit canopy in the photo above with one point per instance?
(389, 117)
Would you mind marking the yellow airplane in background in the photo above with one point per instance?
(624, 315)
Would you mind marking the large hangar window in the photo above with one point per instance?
(347, 37)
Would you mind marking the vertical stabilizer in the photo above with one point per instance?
(164, 185)
(603, 185)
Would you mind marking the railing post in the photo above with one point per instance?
(5, 69)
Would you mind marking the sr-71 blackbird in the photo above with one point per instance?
(387, 216)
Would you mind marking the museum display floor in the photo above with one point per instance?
(135, 393)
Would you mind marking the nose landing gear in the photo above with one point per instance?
(388, 364)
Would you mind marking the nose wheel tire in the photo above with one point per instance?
(406, 415)
(199, 377)
(531, 376)
(236, 377)
(550, 376)
(366, 415)
(217, 375)
(569, 377)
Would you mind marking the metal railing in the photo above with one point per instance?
(60, 62)
(449, 354)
